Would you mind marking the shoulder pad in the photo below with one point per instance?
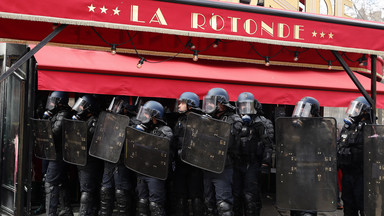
(258, 119)
(91, 122)
(134, 121)
(167, 131)
(63, 114)
(235, 118)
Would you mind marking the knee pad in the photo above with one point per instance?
(143, 207)
(121, 194)
(224, 208)
(48, 187)
(106, 193)
(156, 209)
(85, 197)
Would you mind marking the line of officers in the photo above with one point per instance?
(107, 187)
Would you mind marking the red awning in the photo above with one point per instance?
(97, 72)
(162, 28)
(206, 19)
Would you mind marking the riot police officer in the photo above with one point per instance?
(117, 182)
(218, 187)
(350, 156)
(188, 180)
(87, 109)
(306, 107)
(254, 153)
(267, 122)
(151, 191)
(56, 110)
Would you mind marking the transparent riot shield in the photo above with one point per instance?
(75, 142)
(44, 145)
(306, 166)
(109, 137)
(146, 153)
(373, 170)
(206, 142)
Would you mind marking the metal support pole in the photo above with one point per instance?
(353, 77)
(32, 52)
(373, 87)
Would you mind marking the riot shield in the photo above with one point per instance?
(206, 142)
(146, 153)
(75, 142)
(306, 166)
(44, 145)
(373, 170)
(109, 137)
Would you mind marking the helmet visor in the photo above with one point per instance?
(116, 105)
(209, 104)
(80, 105)
(52, 103)
(145, 114)
(246, 107)
(354, 108)
(302, 109)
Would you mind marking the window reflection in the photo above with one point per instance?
(11, 130)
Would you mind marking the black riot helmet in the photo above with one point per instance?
(307, 107)
(246, 104)
(55, 100)
(151, 109)
(214, 96)
(119, 105)
(87, 104)
(190, 98)
(357, 109)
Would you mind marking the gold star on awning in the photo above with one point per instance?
(116, 11)
(314, 34)
(103, 10)
(91, 8)
(330, 35)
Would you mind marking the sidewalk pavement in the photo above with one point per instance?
(269, 209)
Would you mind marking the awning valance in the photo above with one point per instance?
(204, 19)
(103, 73)
(245, 33)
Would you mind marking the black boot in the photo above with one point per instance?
(52, 194)
(350, 211)
(210, 208)
(197, 207)
(252, 205)
(238, 206)
(41, 209)
(156, 209)
(181, 207)
(143, 208)
(124, 202)
(86, 204)
(224, 208)
(106, 201)
(65, 204)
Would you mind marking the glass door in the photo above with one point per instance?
(12, 132)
